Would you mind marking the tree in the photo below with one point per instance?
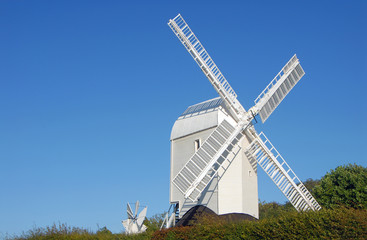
(310, 184)
(154, 223)
(346, 185)
(104, 231)
(274, 209)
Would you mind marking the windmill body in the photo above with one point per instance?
(234, 186)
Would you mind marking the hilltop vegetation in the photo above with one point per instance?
(346, 185)
(342, 193)
(325, 224)
(339, 223)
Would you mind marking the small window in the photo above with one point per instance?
(197, 144)
(250, 173)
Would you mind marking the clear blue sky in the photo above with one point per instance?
(89, 91)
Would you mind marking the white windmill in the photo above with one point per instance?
(134, 222)
(215, 148)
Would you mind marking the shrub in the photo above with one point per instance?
(339, 223)
(346, 185)
(273, 209)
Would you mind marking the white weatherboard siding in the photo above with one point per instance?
(238, 187)
(249, 180)
(230, 188)
(236, 191)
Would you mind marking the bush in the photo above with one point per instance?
(62, 231)
(273, 209)
(154, 223)
(346, 185)
(339, 223)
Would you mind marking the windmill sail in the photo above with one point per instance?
(282, 175)
(136, 208)
(129, 211)
(278, 88)
(207, 65)
(141, 216)
(219, 147)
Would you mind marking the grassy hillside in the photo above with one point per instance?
(341, 223)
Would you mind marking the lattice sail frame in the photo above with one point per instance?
(270, 160)
(207, 65)
(278, 88)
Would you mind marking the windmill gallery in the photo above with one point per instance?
(215, 148)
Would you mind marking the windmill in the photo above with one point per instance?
(215, 148)
(134, 222)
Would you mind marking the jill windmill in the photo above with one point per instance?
(215, 148)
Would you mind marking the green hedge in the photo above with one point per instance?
(339, 223)
(326, 224)
(64, 232)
